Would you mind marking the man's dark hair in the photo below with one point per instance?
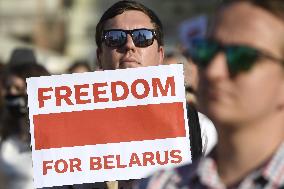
(79, 63)
(122, 6)
(25, 70)
(275, 7)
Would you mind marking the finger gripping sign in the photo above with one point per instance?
(107, 125)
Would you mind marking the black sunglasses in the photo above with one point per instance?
(117, 37)
(239, 57)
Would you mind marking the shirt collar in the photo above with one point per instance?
(273, 171)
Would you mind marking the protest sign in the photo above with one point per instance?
(107, 125)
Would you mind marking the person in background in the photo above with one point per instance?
(79, 66)
(191, 80)
(173, 58)
(15, 151)
(241, 89)
(199, 123)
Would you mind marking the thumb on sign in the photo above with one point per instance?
(112, 185)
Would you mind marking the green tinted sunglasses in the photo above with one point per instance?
(239, 57)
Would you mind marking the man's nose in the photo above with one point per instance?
(129, 45)
(217, 68)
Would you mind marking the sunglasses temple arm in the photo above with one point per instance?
(273, 58)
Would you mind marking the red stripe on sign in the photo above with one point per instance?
(113, 125)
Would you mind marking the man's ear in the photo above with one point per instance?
(162, 54)
(99, 51)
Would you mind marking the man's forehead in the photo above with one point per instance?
(131, 19)
(248, 24)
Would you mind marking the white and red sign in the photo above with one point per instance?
(107, 125)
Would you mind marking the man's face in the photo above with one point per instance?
(252, 95)
(128, 55)
(14, 86)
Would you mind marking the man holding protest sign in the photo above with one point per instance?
(120, 45)
(242, 92)
(119, 41)
(129, 35)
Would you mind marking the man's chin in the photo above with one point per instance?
(125, 65)
(222, 116)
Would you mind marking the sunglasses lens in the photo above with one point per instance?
(240, 58)
(115, 38)
(203, 51)
(142, 37)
